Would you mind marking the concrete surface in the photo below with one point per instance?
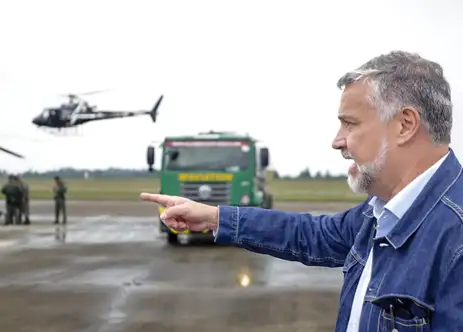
(110, 270)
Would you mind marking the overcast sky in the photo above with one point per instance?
(223, 65)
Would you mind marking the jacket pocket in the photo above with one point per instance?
(401, 313)
(390, 323)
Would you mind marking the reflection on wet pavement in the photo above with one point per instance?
(104, 273)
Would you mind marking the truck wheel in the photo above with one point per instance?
(268, 201)
(172, 238)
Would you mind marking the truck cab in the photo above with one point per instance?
(215, 168)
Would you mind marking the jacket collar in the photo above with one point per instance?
(442, 180)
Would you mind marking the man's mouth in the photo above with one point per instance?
(353, 167)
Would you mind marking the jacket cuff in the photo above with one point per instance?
(227, 226)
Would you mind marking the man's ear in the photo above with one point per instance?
(409, 122)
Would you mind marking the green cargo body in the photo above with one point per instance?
(213, 168)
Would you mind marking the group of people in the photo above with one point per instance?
(16, 193)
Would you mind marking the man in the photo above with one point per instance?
(24, 211)
(59, 195)
(401, 250)
(13, 200)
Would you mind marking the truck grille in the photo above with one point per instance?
(212, 193)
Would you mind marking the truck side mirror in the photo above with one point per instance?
(150, 154)
(264, 157)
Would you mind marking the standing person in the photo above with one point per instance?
(25, 202)
(13, 200)
(59, 195)
(401, 250)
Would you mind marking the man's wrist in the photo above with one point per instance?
(214, 221)
(216, 218)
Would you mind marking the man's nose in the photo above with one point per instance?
(339, 142)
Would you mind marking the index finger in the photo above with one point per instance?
(157, 198)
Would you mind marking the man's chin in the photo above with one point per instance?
(356, 184)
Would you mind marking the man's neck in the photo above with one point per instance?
(411, 168)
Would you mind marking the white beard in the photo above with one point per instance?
(367, 173)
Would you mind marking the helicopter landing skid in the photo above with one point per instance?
(63, 132)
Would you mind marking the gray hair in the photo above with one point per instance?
(401, 79)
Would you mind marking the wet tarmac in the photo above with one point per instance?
(107, 270)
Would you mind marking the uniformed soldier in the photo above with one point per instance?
(13, 199)
(59, 191)
(25, 202)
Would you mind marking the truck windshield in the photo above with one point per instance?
(195, 156)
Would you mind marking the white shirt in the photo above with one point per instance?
(387, 214)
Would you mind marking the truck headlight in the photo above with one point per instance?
(245, 199)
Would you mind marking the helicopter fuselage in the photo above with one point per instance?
(74, 114)
(63, 118)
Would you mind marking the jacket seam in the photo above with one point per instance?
(453, 206)
(295, 253)
(357, 257)
(236, 212)
(457, 255)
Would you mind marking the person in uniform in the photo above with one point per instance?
(13, 199)
(59, 195)
(25, 203)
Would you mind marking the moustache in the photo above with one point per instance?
(346, 155)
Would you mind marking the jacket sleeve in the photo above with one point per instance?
(448, 314)
(322, 240)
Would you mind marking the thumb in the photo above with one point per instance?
(175, 211)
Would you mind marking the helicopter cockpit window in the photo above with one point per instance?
(45, 114)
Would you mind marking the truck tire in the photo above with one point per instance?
(172, 238)
(268, 199)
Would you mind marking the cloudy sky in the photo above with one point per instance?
(223, 65)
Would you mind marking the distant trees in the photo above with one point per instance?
(73, 173)
(305, 174)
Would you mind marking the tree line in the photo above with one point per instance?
(73, 173)
(306, 174)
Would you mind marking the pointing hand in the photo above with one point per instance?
(182, 214)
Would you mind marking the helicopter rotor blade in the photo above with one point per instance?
(11, 153)
(76, 95)
(93, 92)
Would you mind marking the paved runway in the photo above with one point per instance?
(109, 269)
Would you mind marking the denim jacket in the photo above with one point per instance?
(417, 280)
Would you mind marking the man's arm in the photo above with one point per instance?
(448, 314)
(313, 240)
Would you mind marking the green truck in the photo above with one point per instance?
(214, 168)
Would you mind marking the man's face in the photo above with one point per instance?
(362, 137)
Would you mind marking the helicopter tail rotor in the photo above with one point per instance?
(154, 111)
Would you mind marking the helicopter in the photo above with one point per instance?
(77, 111)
